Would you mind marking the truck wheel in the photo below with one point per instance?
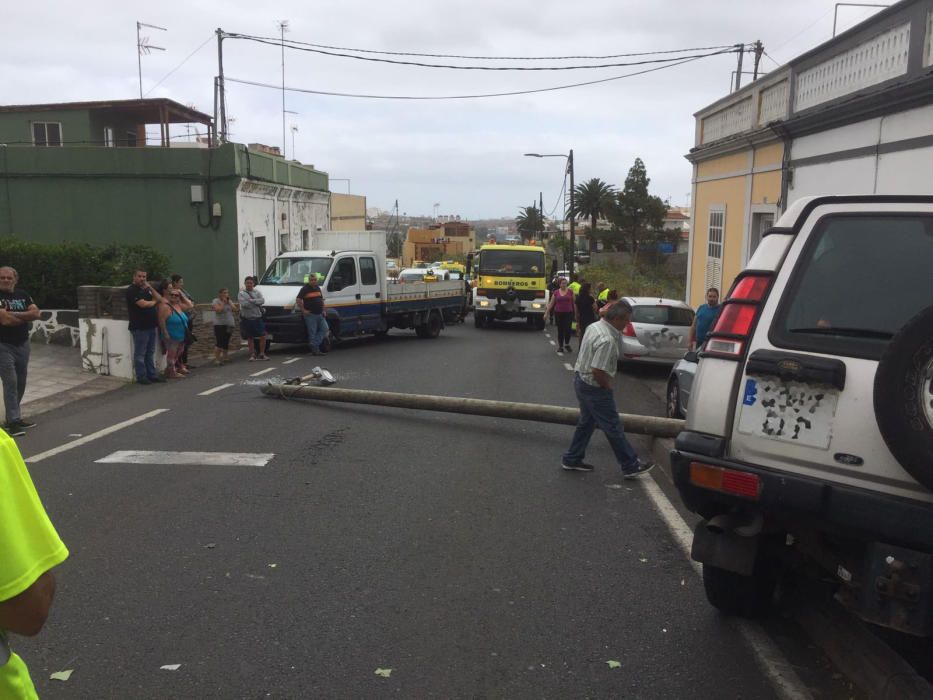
(431, 328)
(903, 397)
(479, 320)
(539, 323)
(734, 594)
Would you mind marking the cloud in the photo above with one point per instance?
(464, 154)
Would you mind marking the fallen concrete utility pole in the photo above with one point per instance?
(641, 425)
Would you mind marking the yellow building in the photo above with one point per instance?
(737, 179)
(438, 242)
(347, 212)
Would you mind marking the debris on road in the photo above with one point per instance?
(61, 675)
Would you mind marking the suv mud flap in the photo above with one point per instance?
(726, 550)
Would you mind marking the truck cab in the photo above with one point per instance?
(511, 282)
(353, 282)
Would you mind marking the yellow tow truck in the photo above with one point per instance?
(511, 282)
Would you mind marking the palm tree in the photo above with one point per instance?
(528, 222)
(593, 199)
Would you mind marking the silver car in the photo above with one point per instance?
(658, 331)
(680, 383)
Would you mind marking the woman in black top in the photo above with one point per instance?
(586, 308)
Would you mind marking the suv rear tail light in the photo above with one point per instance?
(629, 330)
(739, 314)
(735, 483)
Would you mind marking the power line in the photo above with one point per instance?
(772, 60)
(487, 58)
(167, 75)
(472, 97)
(292, 45)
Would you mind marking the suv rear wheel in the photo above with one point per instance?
(904, 397)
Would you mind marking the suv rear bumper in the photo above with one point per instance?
(820, 505)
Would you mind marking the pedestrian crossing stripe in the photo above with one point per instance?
(201, 459)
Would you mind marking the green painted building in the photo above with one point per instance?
(84, 172)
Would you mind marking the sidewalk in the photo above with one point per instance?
(56, 378)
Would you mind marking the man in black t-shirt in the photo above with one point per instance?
(311, 301)
(17, 312)
(142, 303)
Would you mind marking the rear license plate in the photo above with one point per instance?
(791, 412)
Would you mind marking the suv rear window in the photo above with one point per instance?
(858, 281)
(662, 315)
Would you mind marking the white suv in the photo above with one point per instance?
(809, 438)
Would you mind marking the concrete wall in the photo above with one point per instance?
(16, 127)
(260, 209)
(892, 154)
(56, 327)
(742, 184)
(347, 212)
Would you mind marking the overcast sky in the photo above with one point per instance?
(465, 155)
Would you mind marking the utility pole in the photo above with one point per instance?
(222, 98)
(283, 27)
(541, 215)
(759, 49)
(573, 231)
(740, 48)
(144, 47)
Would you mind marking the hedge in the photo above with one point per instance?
(51, 273)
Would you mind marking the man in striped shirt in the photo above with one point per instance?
(596, 366)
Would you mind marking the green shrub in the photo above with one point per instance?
(52, 273)
(636, 280)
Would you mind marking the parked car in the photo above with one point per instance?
(808, 444)
(416, 274)
(680, 384)
(658, 331)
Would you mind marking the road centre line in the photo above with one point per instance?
(776, 667)
(215, 390)
(552, 342)
(207, 459)
(288, 362)
(568, 367)
(262, 371)
(93, 436)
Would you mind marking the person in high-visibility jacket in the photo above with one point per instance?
(29, 549)
(602, 294)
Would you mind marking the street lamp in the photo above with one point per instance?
(294, 129)
(571, 213)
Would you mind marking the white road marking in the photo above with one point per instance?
(776, 667)
(215, 390)
(552, 342)
(262, 371)
(93, 436)
(568, 367)
(288, 362)
(207, 459)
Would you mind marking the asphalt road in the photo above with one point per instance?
(450, 549)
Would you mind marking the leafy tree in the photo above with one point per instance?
(638, 214)
(593, 200)
(529, 222)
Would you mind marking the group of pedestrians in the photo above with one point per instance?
(574, 306)
(163, 317)
(165, 314)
